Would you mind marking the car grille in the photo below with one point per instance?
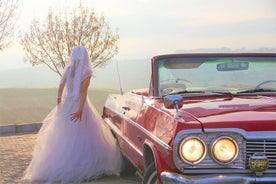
(262, 146)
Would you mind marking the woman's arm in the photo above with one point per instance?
(60, 91)
(62, 84)
(83, 95)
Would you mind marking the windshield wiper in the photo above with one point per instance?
(185, 92)
(257, 90)
(222, 92)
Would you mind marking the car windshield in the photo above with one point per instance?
(217, 75)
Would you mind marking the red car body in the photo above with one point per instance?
(200, 136)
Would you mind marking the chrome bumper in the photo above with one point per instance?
(176, 178)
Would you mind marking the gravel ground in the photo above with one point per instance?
(15, 155)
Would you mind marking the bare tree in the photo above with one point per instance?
(7, 21)
(51, 42)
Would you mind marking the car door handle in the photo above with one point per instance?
(125, 108)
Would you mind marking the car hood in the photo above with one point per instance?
(251, 113)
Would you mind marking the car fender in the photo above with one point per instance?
(150, 154)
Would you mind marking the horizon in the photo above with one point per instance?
(146, 31)
(43, 77)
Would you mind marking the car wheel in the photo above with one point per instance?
(127, 167)
(151, 175)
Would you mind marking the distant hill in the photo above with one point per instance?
(226, 49)
(33, 77)
(133, 74)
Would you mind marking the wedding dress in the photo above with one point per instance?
(68, 151)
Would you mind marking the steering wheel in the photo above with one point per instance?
(265, 82)
(176, 80)
(168, 88)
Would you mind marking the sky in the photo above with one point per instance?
(151, 27)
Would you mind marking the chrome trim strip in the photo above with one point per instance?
(113, 127)
(169, 177)
(255, 135)
(119, 133)
(148, 133)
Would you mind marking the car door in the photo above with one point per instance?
(131, 129)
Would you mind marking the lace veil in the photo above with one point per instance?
(77, 69)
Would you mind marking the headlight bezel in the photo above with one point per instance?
(185, 140)
(208, 137)
(216, 141)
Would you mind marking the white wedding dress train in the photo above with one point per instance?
(69, 152)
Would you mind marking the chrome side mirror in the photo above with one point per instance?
(173, 102)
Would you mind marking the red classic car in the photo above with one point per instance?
(206, 118)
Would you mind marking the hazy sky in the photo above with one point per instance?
(150, 27)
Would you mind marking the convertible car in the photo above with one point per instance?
(205, 118)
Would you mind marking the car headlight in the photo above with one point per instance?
(192, 150)
(225, 150)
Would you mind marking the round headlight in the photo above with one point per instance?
(225, 150)
(192, 150)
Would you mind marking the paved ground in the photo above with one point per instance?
(15, 155)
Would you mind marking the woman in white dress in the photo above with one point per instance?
(74, 143)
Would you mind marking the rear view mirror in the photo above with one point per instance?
(233, 66)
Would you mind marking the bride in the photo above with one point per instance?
(74, 143)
